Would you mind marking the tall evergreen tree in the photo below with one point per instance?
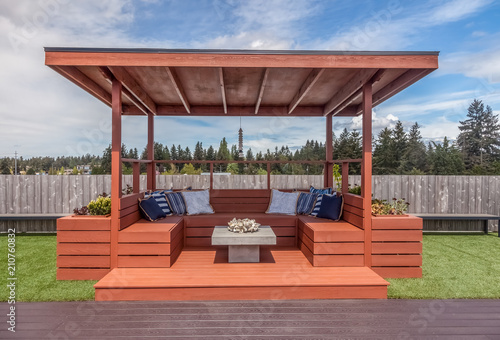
(4, 167)
(198, 155)
(479, 139)
(210, 154)
(399, 145)
(173, 153)
(445, 159)
(414, 158)
(384, 161)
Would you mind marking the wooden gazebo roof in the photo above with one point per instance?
(240, 82)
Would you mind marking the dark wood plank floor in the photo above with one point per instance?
(297, 319)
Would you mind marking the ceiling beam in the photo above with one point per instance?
(261, 91)
(304, 89)
(178, 88)
(80, 79)
(109, 77)
(131, 85)
(222, 89)
(274, 111)
(348, 89)
(397, 85)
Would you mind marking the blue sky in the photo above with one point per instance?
(43, 114)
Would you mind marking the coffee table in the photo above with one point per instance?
(244, 247)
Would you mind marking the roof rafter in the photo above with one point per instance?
(109, 77)
(311, 79)
(80, 79)
(178, 87)
(352, 85)
(222, 88)
(400, 83)
(261, 90)
(131, 85)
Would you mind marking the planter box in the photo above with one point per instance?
(83, 247)
(397, 245)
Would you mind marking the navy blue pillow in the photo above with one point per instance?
(151, 209)
(327, 191)
(176, 202)
(331, 207)
(305, 203)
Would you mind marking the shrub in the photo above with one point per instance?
(100, 206)
(396, 207)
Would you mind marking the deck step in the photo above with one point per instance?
(204, 274)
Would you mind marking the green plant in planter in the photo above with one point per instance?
(100, 206)
(396, 207)
(337, 177)
(356, 189)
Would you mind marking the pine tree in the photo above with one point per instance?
(198, 155)
(250, 156)
(479, 139)
(4, 167)
(399, 146)
(210, 154)
(173, 153)
(414, 158)
(383, 157)
(445, 159)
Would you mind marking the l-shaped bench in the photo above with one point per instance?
(84, 242)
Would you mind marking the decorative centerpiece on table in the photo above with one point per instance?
(245, 225)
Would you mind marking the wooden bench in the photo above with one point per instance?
(461, 217)
(325, 243)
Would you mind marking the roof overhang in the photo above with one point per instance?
(168, 82)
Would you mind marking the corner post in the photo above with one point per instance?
(329, 153)
(116, 169)
(151, 153)
(366, 171)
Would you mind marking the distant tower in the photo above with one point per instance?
(240, 142)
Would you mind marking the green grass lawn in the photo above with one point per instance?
(454, 267)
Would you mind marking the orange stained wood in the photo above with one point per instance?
(205, 274)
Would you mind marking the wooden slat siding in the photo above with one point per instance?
(77, 261)
(66, 236)
(80, 273)
(353, 209)
(397, 235)
(200, 270)
(397, 248)
(157, 261)
(404, 222)
(398, 272)
(83, 223)
(332, 248)
(402, 260)
(83, 249)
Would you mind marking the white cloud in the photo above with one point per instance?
(394, 28)
(484, 65)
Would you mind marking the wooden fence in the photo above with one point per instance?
(426, 194)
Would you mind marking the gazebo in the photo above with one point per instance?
(172, 259)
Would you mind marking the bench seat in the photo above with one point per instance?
(327, 243)
(148, 244)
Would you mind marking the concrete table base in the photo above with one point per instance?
(243, 247)
(244, 254)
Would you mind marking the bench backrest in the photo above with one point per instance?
(245, 200)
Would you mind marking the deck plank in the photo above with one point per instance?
(204, 273)
(294, 319)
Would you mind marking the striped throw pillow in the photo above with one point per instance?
(161, 199)
(327, 191)
(176, 202)
(305, 203)
(317, 205)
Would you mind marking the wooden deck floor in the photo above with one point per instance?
(204, 274)
(312, 319)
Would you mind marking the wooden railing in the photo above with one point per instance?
(152, 165)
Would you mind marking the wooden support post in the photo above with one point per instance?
(136, 179)
(345, 178)
(366, 171)
(211, 176)
(329, 153)
(268, 175)
(151, 174)
(116, 169)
